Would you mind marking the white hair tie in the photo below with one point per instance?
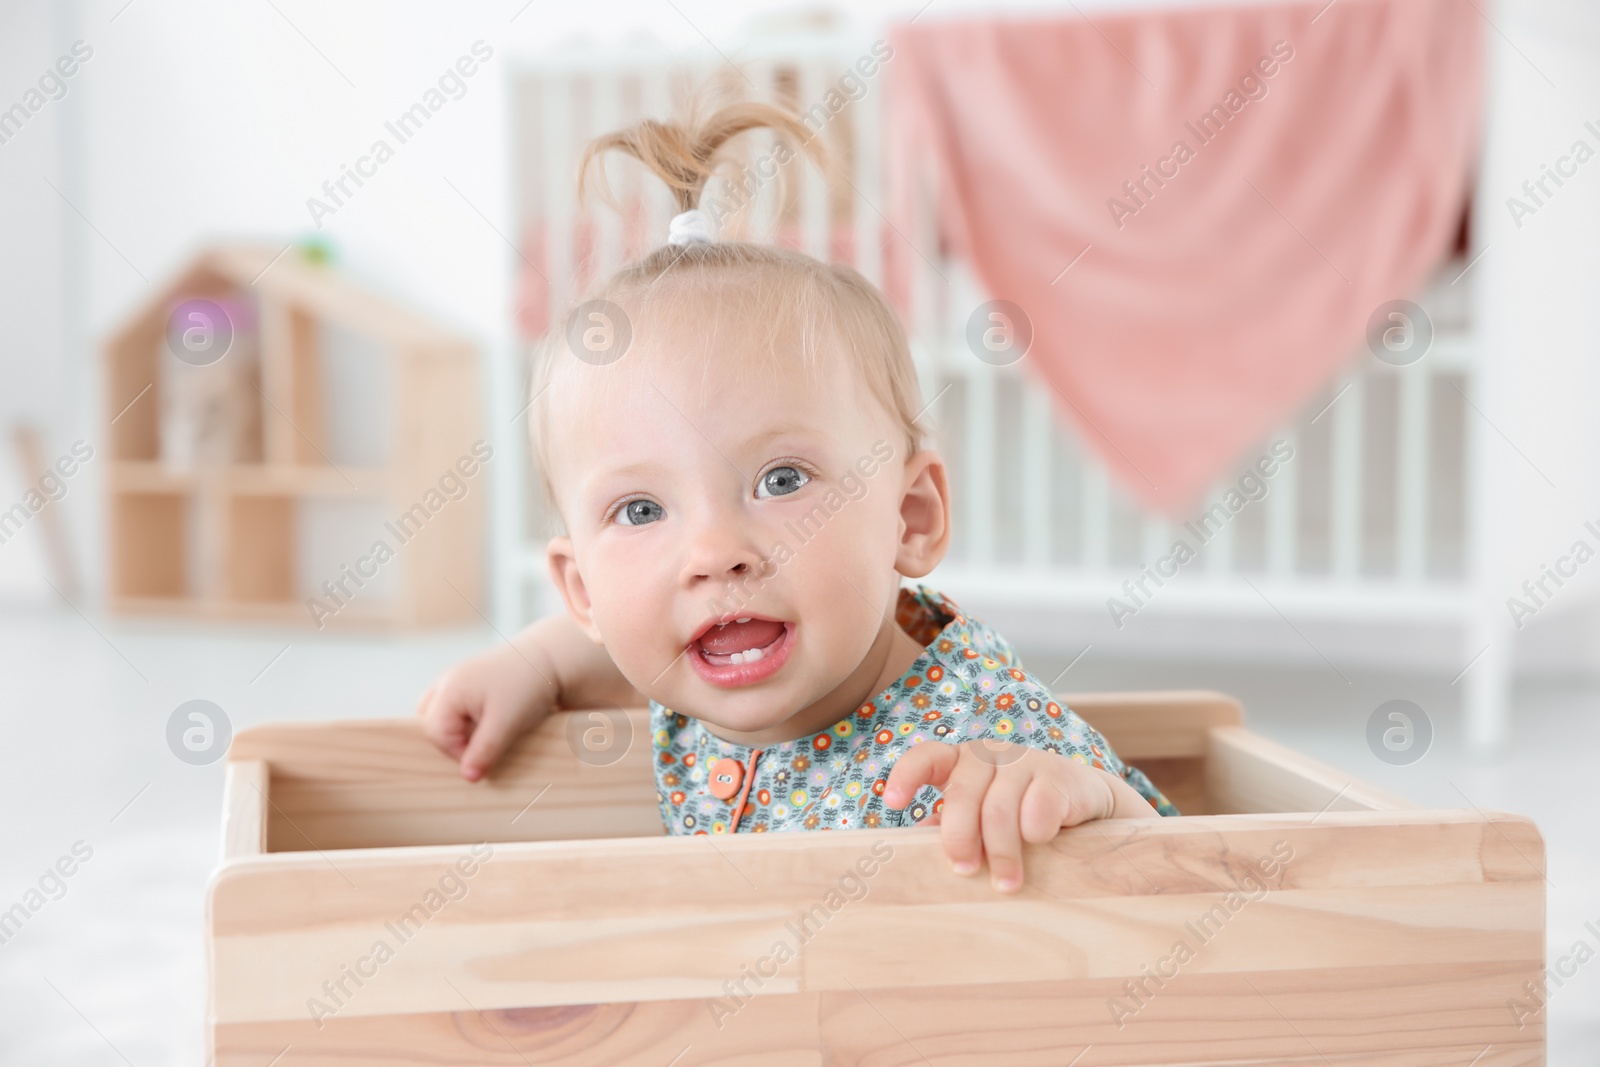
(689, 227)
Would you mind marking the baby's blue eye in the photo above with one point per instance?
(640, 512)
(781, 481)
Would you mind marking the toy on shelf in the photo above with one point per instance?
(211, 409)
(288, 446)
(373, 908)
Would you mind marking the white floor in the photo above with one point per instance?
(112, 971)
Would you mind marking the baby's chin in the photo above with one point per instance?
(742, 713)
(752, 711)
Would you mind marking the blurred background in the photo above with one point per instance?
(273, 274)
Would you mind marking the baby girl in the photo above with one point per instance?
(742, 488)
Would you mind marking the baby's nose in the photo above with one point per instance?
(722, 552)
(727, 567)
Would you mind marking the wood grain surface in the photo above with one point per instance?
(542, 917)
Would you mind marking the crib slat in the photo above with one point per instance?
(605, 115)
(979, 484)
(1095, 513)
(763, 213)
(1412, 518)
(1282, 521)
(656, 101)
(814, 196)
(1035, 472)
(1156, 538)
(1218, 550)
(866, 131)
(1349, 425)
(558, 189)
(925, 283)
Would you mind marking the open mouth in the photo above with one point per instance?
(742, 650)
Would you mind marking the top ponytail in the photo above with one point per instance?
(684, 155)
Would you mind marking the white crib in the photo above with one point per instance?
(1360, 554)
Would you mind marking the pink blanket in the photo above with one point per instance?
(1198, 210)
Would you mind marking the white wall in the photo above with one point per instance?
(30, 265)
(38, 384)
(1538, 315)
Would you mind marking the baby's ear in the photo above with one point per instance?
(924, 515)
(564, 573)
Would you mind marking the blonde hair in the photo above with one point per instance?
(777, 286)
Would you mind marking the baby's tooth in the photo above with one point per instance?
(754, 655)
(737, 657)
(746, 619)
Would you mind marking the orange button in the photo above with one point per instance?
(726, 776)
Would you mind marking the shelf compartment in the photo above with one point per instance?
(260, 560)
(150, 553)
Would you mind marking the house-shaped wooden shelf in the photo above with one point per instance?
(309, 404)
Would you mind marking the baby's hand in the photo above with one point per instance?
(476, 709)
(473, 711)
(999, 794)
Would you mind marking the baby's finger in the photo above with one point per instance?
(1046, 807)
(426, 698)
(1002, 831)
(959, 829)
(929, 763)
(490, 739)
(447, 722)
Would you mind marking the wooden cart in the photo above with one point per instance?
(372, 908)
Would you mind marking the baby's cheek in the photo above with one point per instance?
(640, 642)
(842, 623)
(625, 653)
(849, 559)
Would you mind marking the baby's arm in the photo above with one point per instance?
(476, 709)
(998, 797)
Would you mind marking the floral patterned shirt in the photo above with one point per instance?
(967, 685)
